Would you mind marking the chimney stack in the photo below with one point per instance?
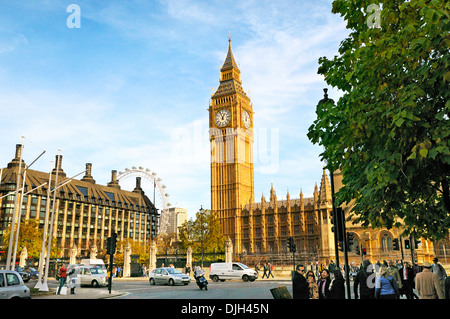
(58, 166)
(88, 177)
(114, 183)
(15, 161)
(138, 188)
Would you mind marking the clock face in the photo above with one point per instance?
(246, 119)
(223, 117)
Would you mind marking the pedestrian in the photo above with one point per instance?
(393, 271)
(265, 271)
(386, 286)
(187, 270)
(312, 285)
(300, 288)
(270, 268)
(331, 268)
(257, 268)
(62, 277)
(427, 284)
(439, 270)
(337, 287)
(365, 279)
(324, 284)
(407, 275)
(72, 279)
(447, 287)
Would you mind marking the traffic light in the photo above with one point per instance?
(364, 251)
(341, 245)
(111, 244)
(407, 244)
(337, 221)
(416, 243)
(350, 237)
(357, 250)
(395, 244)
(291, 245)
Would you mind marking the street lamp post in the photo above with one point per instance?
(202, 211)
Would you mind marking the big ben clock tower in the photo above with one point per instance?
(231, 137)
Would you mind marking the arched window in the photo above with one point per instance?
(386, 242)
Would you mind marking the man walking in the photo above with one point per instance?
(427, 284)
(439, 270)
(365, 279)
(62, 277)
(407, 275)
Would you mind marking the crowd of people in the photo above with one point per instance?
(382, 280)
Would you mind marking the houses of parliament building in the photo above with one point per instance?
(262, 229)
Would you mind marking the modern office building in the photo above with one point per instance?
(86, 213)
(177, 217)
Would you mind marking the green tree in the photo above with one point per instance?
(30, 236)
(389, 131)
(207, 224)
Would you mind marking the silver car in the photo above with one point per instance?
(12, 286)
(88, 275)
(167, 275)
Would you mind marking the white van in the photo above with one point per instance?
(234, 270)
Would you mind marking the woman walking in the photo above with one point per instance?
(386, 286)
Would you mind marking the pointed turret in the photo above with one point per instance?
(230, 77)
(230, 62)
(325, 189)
(273, 195)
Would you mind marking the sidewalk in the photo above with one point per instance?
(81, 293)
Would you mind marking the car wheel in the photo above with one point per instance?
(152, 281)
(94, 283)
(215, 278)
(245, 278)
(171, 282)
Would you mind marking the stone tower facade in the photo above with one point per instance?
(231, 139)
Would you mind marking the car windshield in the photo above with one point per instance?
(243, 266)
(173, 271)
(97, 271)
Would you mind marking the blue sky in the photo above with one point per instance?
(131, 87)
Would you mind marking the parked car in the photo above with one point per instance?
(88, 275)
(12, 286)
(223, 271)
(25, 276)
(167, 275)
(33, 272)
